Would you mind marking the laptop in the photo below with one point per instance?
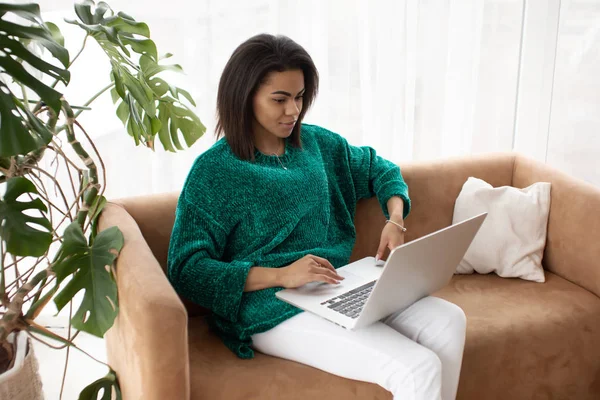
(371, 292)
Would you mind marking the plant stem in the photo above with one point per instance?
(38, 184)
(92, 193)
(94, 97)
(91, 142)
(10, 319)
(57, 185)
(24, 90)
(21, 275)
(2, 277)
(16, 260)
(34, 327)
(68, 164)
(39, 305)
(57, 148)
(80, 51)
(74, 58)
(73, 107)
(39, 102)
(62, 385)
(45, 283)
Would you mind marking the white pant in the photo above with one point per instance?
(415, 353)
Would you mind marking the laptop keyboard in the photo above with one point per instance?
(350, 303)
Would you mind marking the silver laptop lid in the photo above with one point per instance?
(419, 268)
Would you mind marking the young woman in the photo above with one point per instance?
(271, 206)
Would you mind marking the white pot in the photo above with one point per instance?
(22, 381)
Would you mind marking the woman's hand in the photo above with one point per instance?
(308, 269)
(391, 237)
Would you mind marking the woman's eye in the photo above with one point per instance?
(279, 101)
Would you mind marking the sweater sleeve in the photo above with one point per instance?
(374, 175)
(194, 267)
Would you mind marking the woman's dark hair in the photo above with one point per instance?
(245, 71)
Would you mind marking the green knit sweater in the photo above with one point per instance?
(234, 214)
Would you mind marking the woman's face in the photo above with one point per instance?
(277, 104)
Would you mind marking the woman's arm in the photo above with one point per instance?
(395, 207)
(392, 236)
(262, 278)
(373, 175)
(307, 269)
(195, 268)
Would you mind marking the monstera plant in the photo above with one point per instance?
(50, 247)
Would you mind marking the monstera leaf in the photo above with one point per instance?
(91, 266)
(112, 30)
(21, 131)
(21, 238)
(105, 384)
(147, 105)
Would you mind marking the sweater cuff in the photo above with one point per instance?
(229, 289)
(390, 189)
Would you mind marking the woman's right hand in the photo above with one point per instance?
(308, 269)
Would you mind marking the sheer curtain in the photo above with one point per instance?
(414, 79)
(574, 123)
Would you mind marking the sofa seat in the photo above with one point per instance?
(527, 340)
(517, 330)
(216, 373)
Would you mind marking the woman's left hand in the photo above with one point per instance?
(391, 237)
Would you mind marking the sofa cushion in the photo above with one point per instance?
(512, 238)
(527, 340)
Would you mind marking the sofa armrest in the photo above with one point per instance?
(572, 251)
(148, 343)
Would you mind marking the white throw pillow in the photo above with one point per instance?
(511, 240)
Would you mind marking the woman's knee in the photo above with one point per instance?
(447, 314)
(456, 317)
(422, 381)
(432, 363)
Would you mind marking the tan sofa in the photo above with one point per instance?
(525, 340)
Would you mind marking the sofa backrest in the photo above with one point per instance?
(572, 249)
(433, 188)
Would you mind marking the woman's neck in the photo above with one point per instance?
(270, 145)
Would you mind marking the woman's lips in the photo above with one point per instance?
(288, 124)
